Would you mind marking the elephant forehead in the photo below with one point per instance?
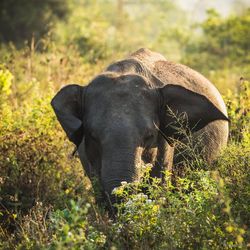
(119, 105)
(115, 82)
(123, 90)
(114, 98)
(120, 101)
(122, 98)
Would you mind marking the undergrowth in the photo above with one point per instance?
(47, 203)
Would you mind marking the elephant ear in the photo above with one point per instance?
(186, 109)
(68, 107)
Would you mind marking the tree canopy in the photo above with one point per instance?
(20, 20)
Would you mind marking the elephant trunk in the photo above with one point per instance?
(117, 167)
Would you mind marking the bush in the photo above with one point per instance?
(238, 105)
(35, 162)
(193, 214)
(73, 230)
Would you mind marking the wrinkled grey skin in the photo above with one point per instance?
(114, 120)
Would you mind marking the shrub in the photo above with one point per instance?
(238, 105)
(5, 84)
(193, 214)
(73, 230)
(34, 155)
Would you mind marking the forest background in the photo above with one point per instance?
(46, 202)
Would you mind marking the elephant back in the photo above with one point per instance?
(173, 73)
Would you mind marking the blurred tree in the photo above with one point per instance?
(22, 19)
(224, 42)
(103, 28)
(239, 6)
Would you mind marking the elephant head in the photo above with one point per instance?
(117, 116)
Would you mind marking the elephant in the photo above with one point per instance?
(123, 118)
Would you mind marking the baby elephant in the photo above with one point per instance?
(126, 115)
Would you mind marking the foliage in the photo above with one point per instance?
(5, 84)
(85, 29)
(74, 230)
(17, 26)
(193, 214)
(222, 51)
(35, 162)
(99, 28)
(238, 105)
(45, 200)
(225, 41)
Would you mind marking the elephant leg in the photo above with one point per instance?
(169, 158)
(164, 159)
